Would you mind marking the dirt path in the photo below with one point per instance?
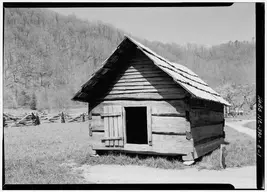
(244, 177)
(238, 125)
(239, 177)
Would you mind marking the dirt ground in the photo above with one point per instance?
(244, 177)
(34, 153)
(239, 177)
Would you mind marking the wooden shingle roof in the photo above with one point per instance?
(180, 74)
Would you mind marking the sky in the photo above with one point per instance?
(201, 25)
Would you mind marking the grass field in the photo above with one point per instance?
(36, 154)
(241, 151)
(251, 125)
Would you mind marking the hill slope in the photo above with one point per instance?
(48, 56)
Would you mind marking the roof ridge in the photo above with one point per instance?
(170, 68)
(143, 47)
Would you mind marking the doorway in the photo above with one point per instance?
(136, 125)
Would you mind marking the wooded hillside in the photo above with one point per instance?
(47, 57)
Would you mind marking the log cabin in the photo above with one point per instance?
(139, 102)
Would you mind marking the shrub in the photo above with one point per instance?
(42, 100)
(10, 99)
(23, 99)
(60, 99)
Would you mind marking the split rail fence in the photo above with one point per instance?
(31, 119)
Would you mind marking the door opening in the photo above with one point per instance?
(136, 125)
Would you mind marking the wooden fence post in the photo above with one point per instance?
(33, 117)
(90, 120)
(83, 117)
(62, 118)
(37, 120)
(222, 156)
(4, 123)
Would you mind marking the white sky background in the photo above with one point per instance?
(201, 25)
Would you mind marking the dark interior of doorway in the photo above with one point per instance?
(136, 125)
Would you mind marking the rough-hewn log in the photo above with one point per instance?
(168, 114)
(153, 90)
(202, 117)
(150, 80)
(144, 96)
(168, 133)
(159, 108)
(144, 71)
(142, 87)
(136, 69)
(202, 149)
(132, 73)
(158, 84)
(169, 124)
(136, 150)
(200, 133)
(208, 105)
(146, 76)
(171, 144)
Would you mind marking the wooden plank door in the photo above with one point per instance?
(113, 122)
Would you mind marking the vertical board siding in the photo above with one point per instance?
(106, 126)
(116, 127)
(120, 129)
(112, 125)
(124, 125)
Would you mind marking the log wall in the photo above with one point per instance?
(163, 144)
(168, 116)
(141, 79)
(207, 126)
(168, 122)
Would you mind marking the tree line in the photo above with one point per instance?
(48, 56)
